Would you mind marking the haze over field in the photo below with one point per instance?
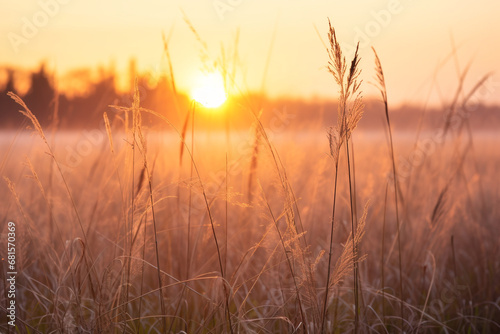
(232, 166)
(415, 38)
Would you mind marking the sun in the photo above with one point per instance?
(208, 90)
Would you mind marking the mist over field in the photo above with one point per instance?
(290, 180)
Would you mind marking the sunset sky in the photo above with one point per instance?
(414, 40)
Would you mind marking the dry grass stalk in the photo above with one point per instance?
(383, 92)
(349, 113)
(29, 115)
(295, 307)
(207, 205)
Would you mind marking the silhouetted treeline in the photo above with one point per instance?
(67, 111)
(60, 110)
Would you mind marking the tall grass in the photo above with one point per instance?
(132, 254)
(349, 113)
(383, 92)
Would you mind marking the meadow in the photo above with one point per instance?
(276, 229)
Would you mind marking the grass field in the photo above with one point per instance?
(275, 230)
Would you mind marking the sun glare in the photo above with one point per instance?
(209, 90)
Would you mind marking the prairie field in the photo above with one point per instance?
(228, 200)
(116, 233)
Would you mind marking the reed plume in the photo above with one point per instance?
(349, 113)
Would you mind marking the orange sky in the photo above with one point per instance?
(412, 38)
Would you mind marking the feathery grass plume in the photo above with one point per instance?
(29, 115)
(108, 131)
(345, 263)
(349, 113)
(383, 92)
(288, 259)
(333, 143)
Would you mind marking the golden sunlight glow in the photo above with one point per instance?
(209, 90)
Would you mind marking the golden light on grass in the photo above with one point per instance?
(261, 229)
(208, 90)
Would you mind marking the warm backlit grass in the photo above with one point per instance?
(66, 283)
(130, 230)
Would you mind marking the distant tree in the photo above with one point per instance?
(103, 93)
(40, 95)
(8, 108)
(9, 85)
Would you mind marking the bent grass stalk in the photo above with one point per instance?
(29, 115)
(289, 201)
(383, 91)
